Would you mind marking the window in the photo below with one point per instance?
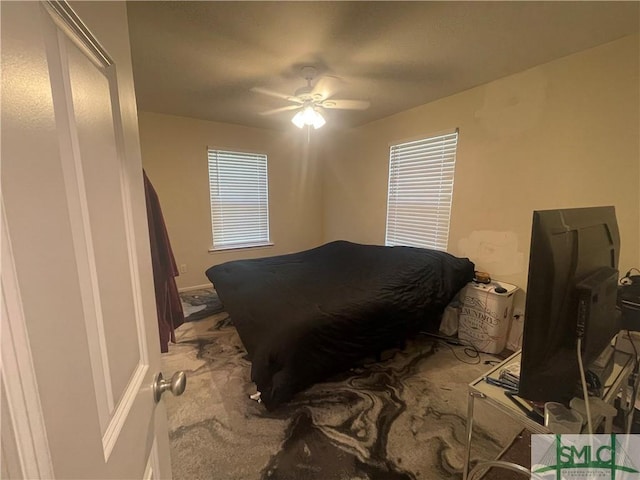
(420, 191)
(239, 199)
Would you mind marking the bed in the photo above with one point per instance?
(306, 316)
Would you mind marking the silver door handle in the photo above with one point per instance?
(176, 385)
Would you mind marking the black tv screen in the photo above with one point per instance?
(569, 247)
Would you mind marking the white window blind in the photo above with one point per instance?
(420, 191)
(239, 199)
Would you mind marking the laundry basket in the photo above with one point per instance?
(485, 315)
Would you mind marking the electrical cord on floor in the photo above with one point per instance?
(585, 392)
(514, 467)
(469, 350)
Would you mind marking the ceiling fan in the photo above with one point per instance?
(310, 100)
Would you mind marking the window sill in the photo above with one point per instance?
(239, 247)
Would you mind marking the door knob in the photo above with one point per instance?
(176, 385)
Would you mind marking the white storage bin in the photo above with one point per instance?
(485, 315)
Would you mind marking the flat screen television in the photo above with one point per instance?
(572, 288)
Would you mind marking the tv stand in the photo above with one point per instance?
(493, 395)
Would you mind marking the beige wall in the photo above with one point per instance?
(174, 155)
(563, 134)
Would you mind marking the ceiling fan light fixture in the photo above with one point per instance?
(297, 119)
(308, 116)
(318, 121)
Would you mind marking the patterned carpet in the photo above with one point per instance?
(402, 418)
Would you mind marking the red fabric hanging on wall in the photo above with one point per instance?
(168, 305)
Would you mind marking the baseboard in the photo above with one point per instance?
(195, 287)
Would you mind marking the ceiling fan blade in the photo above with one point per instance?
(326, 86)
(281, 109)
(346, 104)
(271, 93)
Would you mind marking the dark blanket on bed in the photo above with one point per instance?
(305, 316)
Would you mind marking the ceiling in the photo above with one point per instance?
(201, 59)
